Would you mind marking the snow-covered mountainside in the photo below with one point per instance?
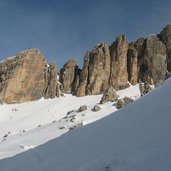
(135, 138)
(25, 126)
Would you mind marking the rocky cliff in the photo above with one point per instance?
(155, 66)
(69, 76)
(94, 76)
(165, 36)
(27, 76)
(145, 60)
(118, 67)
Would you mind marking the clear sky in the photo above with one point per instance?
(64, 29)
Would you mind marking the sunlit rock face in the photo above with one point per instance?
(25, 77)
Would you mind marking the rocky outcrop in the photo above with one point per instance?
(118, 73)
(135, 61)
(144, 88)
(123, 102)
(139, 46)
(165, 36)
(127, 100)
(69, 76)
(132, 64)
(146, 60)
(120, 104)
(143, 60)
(82, 108)
(155, 66)
(104, 67)
(109, 95)
(52, 89)
(96, 108)
(94, 77)
(24, 77)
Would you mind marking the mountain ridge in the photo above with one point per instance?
(145, 60)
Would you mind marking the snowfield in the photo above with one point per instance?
(135, 138)
(25, 126)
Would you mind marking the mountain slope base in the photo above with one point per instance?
(134, 138)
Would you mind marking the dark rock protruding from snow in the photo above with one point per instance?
(82, 108)
(109, 95)
(120, 104)
(96, 108)
(144, 88)
(127, 100)
(123, 102)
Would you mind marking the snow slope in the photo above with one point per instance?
(135, 138)
(25, 126)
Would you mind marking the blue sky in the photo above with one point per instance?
(64, 29)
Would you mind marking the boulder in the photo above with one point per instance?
(141, 88)
(127, 100)
(123, 102)
(109, 95)
(144, 88)
(147, 88)
(82, 108)
(120, 104)
(96, 108)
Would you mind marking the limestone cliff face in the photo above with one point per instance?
(147, 60)
(139, 46)
(155, 66)
(69, 76)
(104, 66)
(52, 88)
(132, 64)
(144, 60)
(135, 61)
(94, 77)
(27, 76)
(24, 77)
(165, 36)
(118, 73)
